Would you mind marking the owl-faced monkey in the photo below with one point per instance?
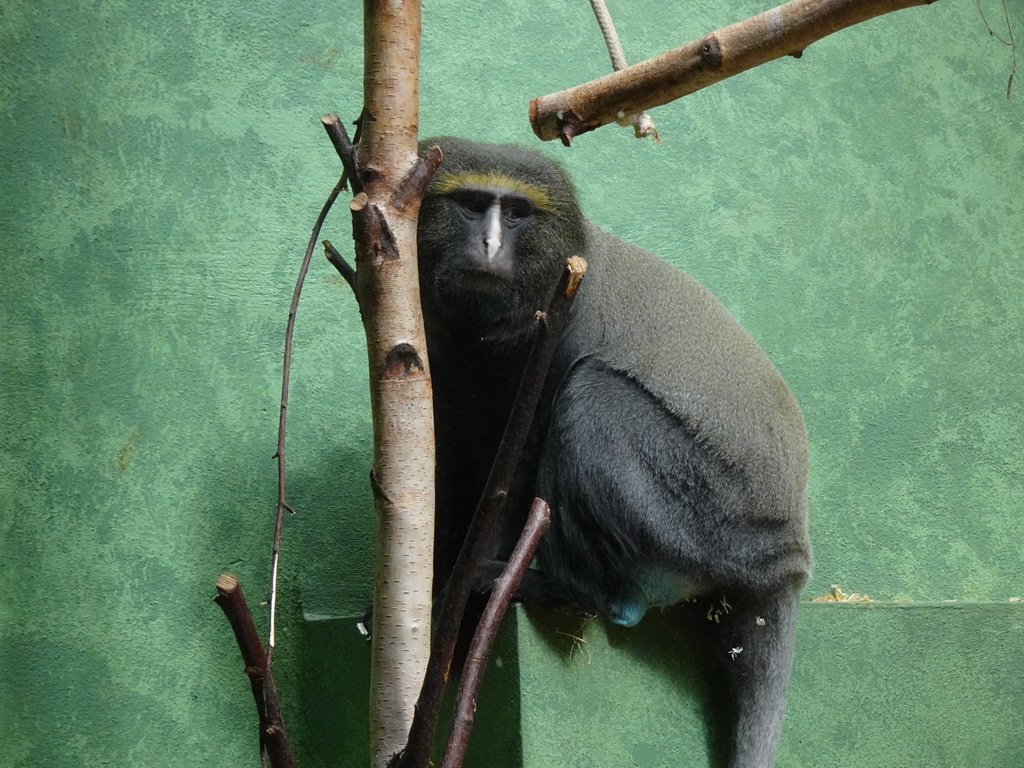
(671, 452)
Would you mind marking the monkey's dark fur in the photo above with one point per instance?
(672, 454)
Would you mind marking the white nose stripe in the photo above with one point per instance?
(492, 240)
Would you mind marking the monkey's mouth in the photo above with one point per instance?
(481, 281)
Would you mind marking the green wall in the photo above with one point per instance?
(858, 209)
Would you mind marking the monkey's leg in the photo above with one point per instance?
(754, 636)
(535, 589)
(644, 513)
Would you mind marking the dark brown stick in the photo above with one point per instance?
(273, 736)
(1008, 42)
(339, 263)
(487, 631)
(492, 501)
(346, 150)
(782, 31)
(347, 153)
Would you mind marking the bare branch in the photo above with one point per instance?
(783, 31)
(487, 631)
(273, 736)
(339, 263)
(346, 150)
(282, 424)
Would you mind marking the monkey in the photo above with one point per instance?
(672, 454)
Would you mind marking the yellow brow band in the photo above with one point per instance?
(449, 182)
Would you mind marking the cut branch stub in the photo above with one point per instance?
(782, 31)
(412, 187)
(569, 125)
(576, 267)
(339, 263)
(371, 227)
(345, 148)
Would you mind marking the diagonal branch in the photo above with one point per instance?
(339, 263)
(483, 639)
(549, 330)
(783, 31)
(273, 736)
(345, 148)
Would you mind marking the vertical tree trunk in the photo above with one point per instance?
(388, 291)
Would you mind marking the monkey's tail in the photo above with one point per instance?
(757, 636)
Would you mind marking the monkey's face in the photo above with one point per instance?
(480, 267)
(487, 223)
(495, 229)
(467, 252)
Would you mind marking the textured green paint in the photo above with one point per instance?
(874, 684)
(325, 658)
(160, 164)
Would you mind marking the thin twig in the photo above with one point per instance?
(273, 736)
(282, 503)
(1010, 42)
(487, 631)
(346, 151)
(492, 501)
(339, 263)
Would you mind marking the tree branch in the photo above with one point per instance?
(273, 736)
(282, 424)
(339, 263)
(549, 330)
(346, 149)
(783, 31)
(384, 216)
(483, 639)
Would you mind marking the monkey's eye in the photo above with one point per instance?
(516, 210)
(472, 203)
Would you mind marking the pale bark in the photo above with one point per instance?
(783, 31)
(387, 286)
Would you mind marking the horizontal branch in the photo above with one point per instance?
(782, 31)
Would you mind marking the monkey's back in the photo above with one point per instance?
(657, 325)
